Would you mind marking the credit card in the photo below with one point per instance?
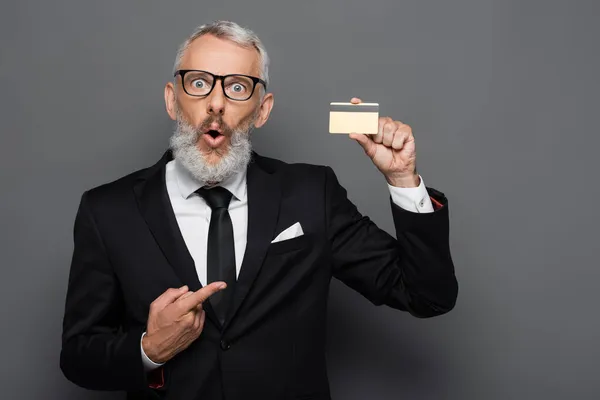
(347, 118)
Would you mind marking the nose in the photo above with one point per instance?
(216, 100)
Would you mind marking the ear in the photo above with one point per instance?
(265, 110)
(170, 100)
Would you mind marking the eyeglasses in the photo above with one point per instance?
(236, 87)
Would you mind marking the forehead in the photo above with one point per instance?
(220, 57)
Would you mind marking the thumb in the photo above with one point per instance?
(366, 143)
(170, 295)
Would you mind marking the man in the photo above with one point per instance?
(206, 276)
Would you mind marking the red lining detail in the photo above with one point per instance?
(436, 204)
(156, 378)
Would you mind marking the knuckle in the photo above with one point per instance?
(188, 320)
(178, 308)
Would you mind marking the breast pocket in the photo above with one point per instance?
(289, 245)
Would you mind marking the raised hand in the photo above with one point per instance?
(392, 150)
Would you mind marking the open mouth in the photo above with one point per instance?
(214, 138)
(213, 133)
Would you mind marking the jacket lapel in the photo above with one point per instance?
(264, 195)
(155, 207)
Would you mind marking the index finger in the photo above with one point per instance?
(355, 100)
(194, 299)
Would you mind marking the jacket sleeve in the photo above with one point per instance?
(99, 351)
(413, 272)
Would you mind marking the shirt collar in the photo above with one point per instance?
(188, 184)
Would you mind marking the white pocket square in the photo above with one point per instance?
(290, 233)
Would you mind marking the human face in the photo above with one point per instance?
(216, 115)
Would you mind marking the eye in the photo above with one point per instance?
(198, 84)
(238, 88)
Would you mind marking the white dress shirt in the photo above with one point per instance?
(193, 216)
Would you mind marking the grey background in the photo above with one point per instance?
(503, 99)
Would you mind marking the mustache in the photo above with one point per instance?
(205, 125)
(194, 132)
(198, 130)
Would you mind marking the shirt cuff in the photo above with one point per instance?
(149, 365)
(412, 199)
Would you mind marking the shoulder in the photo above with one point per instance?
(300, 179)
(119, 189)
(293, 172)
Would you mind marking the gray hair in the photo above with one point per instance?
(230, 31)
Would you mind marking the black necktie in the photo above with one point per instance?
(221, 251)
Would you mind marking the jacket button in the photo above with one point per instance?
(225, 345)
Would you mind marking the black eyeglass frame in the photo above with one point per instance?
(222, 78)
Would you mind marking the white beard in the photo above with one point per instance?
(236, 158)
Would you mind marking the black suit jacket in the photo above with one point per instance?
(128, 250)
